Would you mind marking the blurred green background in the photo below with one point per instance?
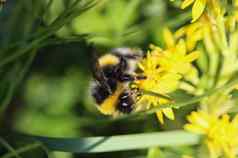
(53, 97)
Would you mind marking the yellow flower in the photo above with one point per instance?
(220, 133)
(163, 70)
(193, 33)
(175, 58)
(197, 31)
(158, 82)
(199, 7)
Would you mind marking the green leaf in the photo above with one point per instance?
(193, 100)
(119, 142)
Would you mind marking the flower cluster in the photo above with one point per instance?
(220, 132)
(199, 7)
(214, 25)
(164, 69)
(216, 28)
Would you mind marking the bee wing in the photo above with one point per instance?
(98, 73)
(128, 53)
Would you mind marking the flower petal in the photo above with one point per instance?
(198, 9)
(192, 56)
(180, 32)
(181, 47)
(186, 3)
(159, 115)
(168, 37)
(168, 112)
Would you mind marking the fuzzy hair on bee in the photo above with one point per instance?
(113, 73)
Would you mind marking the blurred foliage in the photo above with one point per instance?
(120, 22)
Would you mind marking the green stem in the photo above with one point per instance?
(23, 150)
(144, 92)
(179, 20)
(194, 100)
(12, 151)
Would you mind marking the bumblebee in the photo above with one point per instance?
(113, 74)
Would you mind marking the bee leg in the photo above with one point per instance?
(140, 77)
(126, 102)
(121, 67)
(128, 77)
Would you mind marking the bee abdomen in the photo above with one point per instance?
(100, 94)
(125, 102)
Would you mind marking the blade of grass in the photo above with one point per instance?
(44, 31)
(57, 41)
(11, 150)
(15, 83)
(22, 150)
(47, 151)
(42, 35)
(119, 142)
